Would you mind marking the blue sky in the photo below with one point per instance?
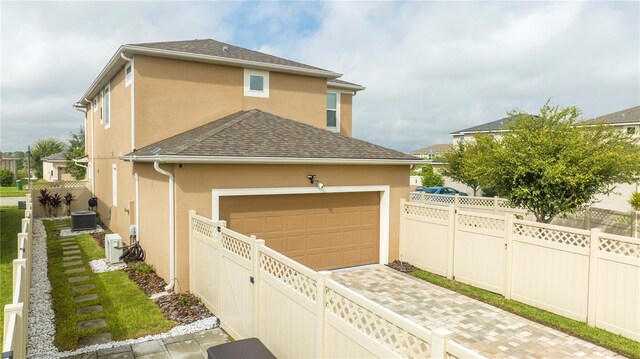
(430, 68)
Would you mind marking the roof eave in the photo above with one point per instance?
(269, 160)
(130, 50)
(345, 86)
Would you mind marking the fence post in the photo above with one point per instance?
(20, 333)
(451, 239)
(191, 270)
(587, 218)
(594, 245)
(401, 229)
(320, 313)
(439, 338)
(255, 257)
(635, 228)
(508, 265)
(19, 265)
(220, 275)
(456, 200)
(495, 204)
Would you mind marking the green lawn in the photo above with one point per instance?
(615, 342)
(10, 222)
(127, 310)
(12, 192)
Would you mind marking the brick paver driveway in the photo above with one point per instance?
(488, 330)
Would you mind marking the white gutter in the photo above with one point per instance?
(172, 244)
(339, 85)
(133, 100)
(93, 154)
(271, 160)
(137, 180)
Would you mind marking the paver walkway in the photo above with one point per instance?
(491, 331)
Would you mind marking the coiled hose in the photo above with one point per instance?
(133, 252)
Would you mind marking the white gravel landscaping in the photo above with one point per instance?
(101, 266)
(41, 331)
(67, 232)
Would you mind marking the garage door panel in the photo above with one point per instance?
(323, 231)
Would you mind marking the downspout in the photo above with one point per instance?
(137, 179)
(172, 244)
(133, 101)
(93, 153)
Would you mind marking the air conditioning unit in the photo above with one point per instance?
(113, 248)
(83, 220)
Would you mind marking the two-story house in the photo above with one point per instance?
(238, 135)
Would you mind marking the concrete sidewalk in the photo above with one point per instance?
(11, 201)
(490, 331)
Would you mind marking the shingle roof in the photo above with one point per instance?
(60, 156)
(489, 126)
(258, 134)
(630, 115)
(439, 148)
(212, 47)
(8, 156)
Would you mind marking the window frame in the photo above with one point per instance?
(337, 110)
(106, 108)
(101, 107)
(247, 83)
(128, 79)
(94, 104)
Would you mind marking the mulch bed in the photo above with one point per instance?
(183, 308)
(404, 267)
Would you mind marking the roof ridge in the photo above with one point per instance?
(215, 130)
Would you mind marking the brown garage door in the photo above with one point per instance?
(321, 231)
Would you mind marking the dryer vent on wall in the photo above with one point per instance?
(83, 220)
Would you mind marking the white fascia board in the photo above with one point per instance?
(116, 61)
(337, 85)
(270, 160)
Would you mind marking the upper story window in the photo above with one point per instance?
(128, 75)
(94, 104)
(333, 111)
(101, 107)
(256, 83)
(632, 130)
(106, 106)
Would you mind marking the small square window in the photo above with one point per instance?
(94, 104)
(256, 83)
(631, 130)
(128, 75)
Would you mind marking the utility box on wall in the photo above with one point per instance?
(113, 248)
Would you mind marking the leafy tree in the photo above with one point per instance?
(461, 164)
(549, 165)
(75, 150)
(430, 178)
(42, 148)
(6, 177)
(20, 156)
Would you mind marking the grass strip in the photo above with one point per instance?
(12, 191)
(601, 337)
(128, 311)
(10, 226)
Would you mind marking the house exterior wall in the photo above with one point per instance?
(194, 184)
(173, 96)
(9, 164)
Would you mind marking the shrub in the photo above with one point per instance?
(55, 202)
(44, 199)
(68, 198)
(6, 177)
(634, 201)
(430, 178)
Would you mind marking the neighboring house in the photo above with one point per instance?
(237, 135)
(9, 161)
(626, 120)
(54, 168)
(433, 153)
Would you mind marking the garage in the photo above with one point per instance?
(322, 231)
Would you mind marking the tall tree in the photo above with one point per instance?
(75, 151)
(42, 148)
(550, 164)
(461, 164)
(430, 178)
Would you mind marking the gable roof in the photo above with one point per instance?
(438, 148)
(56, 157)
(260, 137)
(8, 156)
(629, 115)
(207, 51)
(492, 126)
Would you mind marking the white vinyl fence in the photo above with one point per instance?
(584, 275)
(295, 311)
(480, 204)
(14, 341)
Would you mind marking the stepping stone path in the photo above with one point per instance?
(74, 265)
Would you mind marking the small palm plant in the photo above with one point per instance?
(68, 198)
(55, 202)
(44, 199)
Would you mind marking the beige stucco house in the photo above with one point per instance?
(9, 161)
(257, 140)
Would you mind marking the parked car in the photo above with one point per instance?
(440, 190)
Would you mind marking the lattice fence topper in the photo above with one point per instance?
(365, 321)
(426, 211)
(60, 184)
(493, 224)
(236, 246)
(415, 196)
(289, 276)
(552, 235)
(619, 247)
(203, 228)
(478, 202)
